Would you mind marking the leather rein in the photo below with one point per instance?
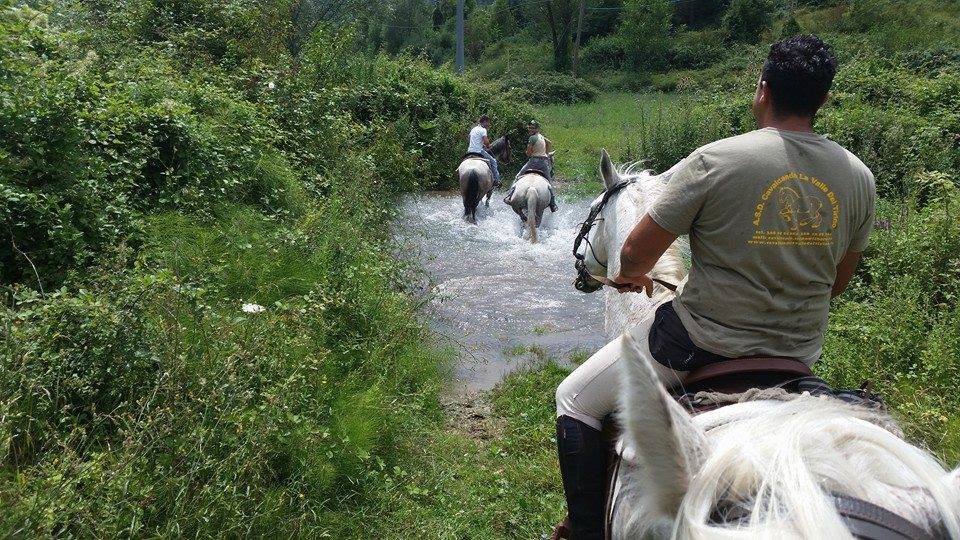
(586, 282)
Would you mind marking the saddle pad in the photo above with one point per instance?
(538, 173)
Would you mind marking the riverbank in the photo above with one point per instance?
(488, 471)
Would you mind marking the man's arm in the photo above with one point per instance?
(644, 246)
(845, 270)
(529, 150)
(486, 142)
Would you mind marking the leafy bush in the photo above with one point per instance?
(603, 53)
(899, 323)
(548, 88)
(694, 50)
(746, 20)
(900, 122)
(645, 32)
(153, 179)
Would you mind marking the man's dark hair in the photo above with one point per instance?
(483, 119)
(799, 72)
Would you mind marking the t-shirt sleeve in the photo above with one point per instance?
(683, 196)
(861, 235)
(532, 140)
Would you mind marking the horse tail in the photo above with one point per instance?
(533, 200)
(472, 195)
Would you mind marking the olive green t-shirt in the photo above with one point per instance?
(770, 214)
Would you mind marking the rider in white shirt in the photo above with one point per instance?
(480, 144)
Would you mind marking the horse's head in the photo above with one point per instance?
(625, 198)
(771, 468)
(597, 231)
(500, 149)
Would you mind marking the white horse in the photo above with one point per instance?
(766, 468)
(476, 178)
(531, 196)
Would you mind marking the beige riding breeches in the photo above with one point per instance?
(591, 392)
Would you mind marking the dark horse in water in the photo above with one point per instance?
(476, 178)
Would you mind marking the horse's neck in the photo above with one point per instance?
(496, 148)
(624, 311)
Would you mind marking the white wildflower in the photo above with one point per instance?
(253, 308)
(271, 86)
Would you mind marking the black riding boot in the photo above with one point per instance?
(553, 201)
(583, 466)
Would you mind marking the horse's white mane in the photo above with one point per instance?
(629, 310)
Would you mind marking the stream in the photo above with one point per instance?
(499, 300)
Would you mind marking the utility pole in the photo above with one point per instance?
(576, 43)
(459, 36)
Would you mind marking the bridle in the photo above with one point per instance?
(585, 282)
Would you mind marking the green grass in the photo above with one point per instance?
(494, 477)
(612, 121)
(655, 129)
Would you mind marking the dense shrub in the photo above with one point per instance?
(899, 324)
(549, 88)
(157, 172)
(900, 122)
(603, 53)
(645, 32)
(746, 20)
(694, 50)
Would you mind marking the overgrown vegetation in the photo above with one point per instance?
(203, 333)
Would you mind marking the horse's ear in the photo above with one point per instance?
(608, 172)
(669, 445)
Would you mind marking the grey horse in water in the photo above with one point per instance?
(476, 179)
(529, 197)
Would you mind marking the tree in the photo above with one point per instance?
(503, 21)
(645, 32)
(559, 17)
(307, 15)
(746, 20)
(696, 14)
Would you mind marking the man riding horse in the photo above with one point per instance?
(539, 159)
(479, 173)
(760, 284)
(479, 143)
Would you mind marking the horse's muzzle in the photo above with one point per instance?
(585, 282)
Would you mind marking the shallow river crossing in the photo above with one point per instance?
(498, 299)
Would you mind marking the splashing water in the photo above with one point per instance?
(497, 297)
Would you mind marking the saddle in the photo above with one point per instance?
(539, 173)
(739, 375)
(474, 155)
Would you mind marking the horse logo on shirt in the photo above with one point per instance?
(799, 211)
